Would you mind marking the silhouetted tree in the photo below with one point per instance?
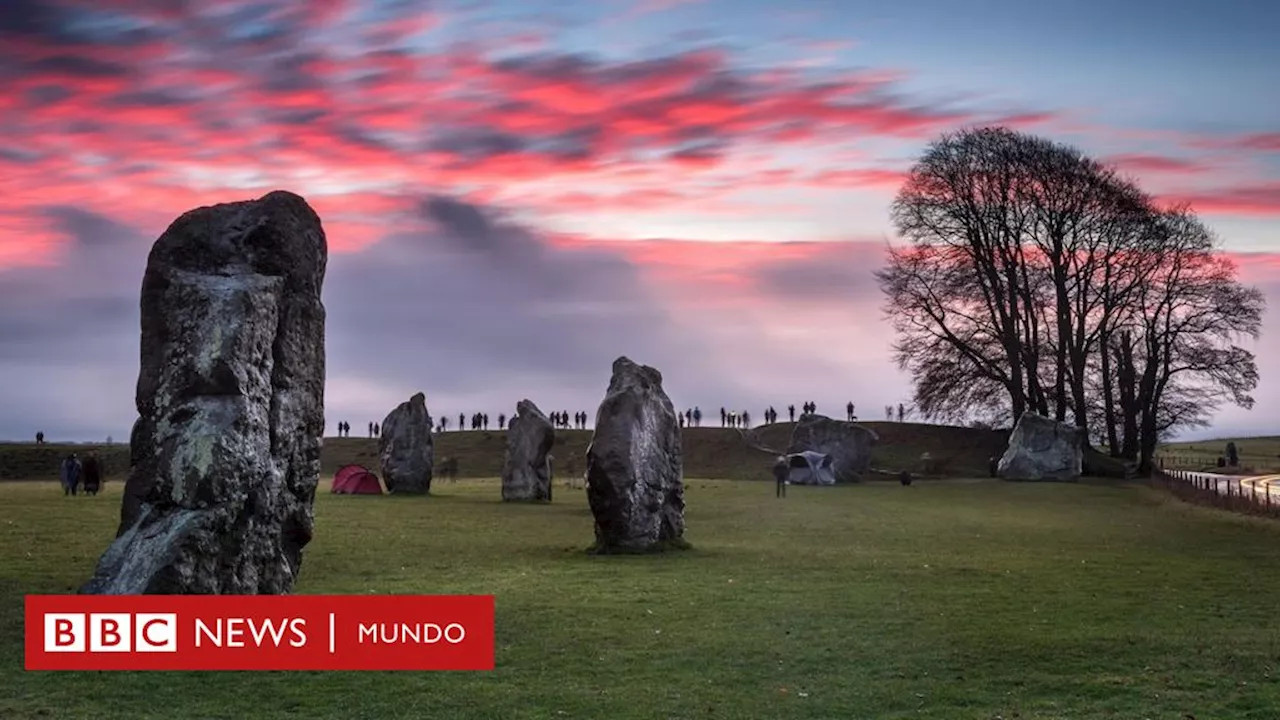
(1181, 357)
(1037, 279)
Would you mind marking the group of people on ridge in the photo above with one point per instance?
(344, 429)
(734, 419)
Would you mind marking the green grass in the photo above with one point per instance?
(946, 600)
(1257, 454)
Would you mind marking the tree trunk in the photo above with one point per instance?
(1064, 341)
(1108, 397)
(1126, 376)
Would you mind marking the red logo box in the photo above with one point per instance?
(259, 632)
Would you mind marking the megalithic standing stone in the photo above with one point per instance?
(635, 470)
(230, 400)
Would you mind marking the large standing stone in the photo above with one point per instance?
(1042, 448)
(526, 474)
(635, 479)
(848, 444)
(407, 449)
(226, 448)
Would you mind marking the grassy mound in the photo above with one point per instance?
(708, 452)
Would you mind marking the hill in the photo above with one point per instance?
(709, 452)
(1257, 454)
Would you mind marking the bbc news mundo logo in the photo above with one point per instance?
(110, 632)
(259, 632)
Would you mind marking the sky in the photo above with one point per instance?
(514, 194)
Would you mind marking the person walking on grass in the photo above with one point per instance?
(70, 474)
(781, 472)
(91, 469)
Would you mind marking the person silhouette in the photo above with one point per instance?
(781, 473)
(70, 474)
(92, 473)
(791, 410)
(697, 416)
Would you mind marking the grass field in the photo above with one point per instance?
(946, 600)
(1257, 454)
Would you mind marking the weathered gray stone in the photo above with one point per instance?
(1042, 448)
(848, 444)
(635, 478)
(225, 452)
(407, 449)
(526, 473)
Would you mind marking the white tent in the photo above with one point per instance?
(810, 468)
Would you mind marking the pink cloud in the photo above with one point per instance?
(1257, 200)
(1155, 164)
(182, 118)
(648, 7)
(866, 178)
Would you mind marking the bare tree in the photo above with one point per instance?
(961, 281)
(1191, 312)
(1036, 278)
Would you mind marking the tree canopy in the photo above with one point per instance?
(1035, 278)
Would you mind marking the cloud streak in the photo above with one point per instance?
(491, 193)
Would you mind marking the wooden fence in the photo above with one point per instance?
(1248, 495)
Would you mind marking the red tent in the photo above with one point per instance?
(356, 480)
